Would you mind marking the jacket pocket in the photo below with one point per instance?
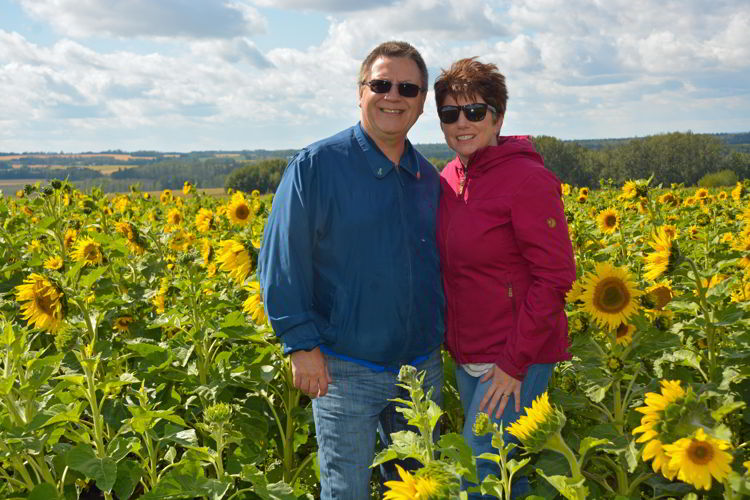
(337, 316)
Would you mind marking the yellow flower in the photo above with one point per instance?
(122, 324)
(187, 187)
(206, 251)
(159, 302)
(701, 193)
(53, 263)
(699, 458)
(747, 465)
(584, 191)
(664, 258)
(406, 489)
(204, 220)
(253, 305)
(660, 294)
(125, 229)
(565, 189)
(609, 295)
(181, 241)
(629, 190)
(582, 198)
(669, 199)
(624, 334)
(166, 196)
(723, 195)
(738, 191)
(671, 230)
(574, 294)
(87, 250)
(651, 423)
(174, 217)
(70, 237)
(34, 246)
(541, 421)
(43, 303)
(234, 259)
(238, 210)
(608, 221)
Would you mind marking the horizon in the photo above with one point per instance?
(179, 76)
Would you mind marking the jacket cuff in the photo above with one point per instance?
(505, 364)
(304, 337)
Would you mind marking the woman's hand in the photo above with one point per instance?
(502, 386)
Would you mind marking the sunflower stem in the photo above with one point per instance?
(710, 330)
(558, 444)
(617, 396)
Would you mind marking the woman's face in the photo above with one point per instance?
(466, 137)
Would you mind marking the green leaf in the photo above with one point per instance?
(82, 458)
(128, 475)
(43, 491)
(91, 277)
(178, 484)
(567, 488)
(589, 443)
(726, 409)
(265, 490)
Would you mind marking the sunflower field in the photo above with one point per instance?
(136, 360)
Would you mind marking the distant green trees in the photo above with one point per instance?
(263, 175)
(671, 158)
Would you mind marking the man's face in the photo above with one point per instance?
(388, 117)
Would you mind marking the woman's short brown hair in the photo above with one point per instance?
(470, 78)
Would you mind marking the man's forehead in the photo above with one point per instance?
(378, 66)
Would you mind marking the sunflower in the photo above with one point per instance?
(652, 422)
(582, 198)
(671, 230)
(629, 190)
(540, 423)
(624, 334)
(166, 196)
(187, 187)
(419, 487)
(693, 232)
(207, 251)
(174, 218)
(159, 302)
(238, 210)
(253, 305)
(584, 191)
(738, 191)
(122, 324)
(701, 193)
(665, 257)
(88, 251)
(204, 220)
(70, 237)
(660, 294)
(574, 294)
(698, 458)
(723, 195)
(234, 258)
(53, 263)
(43, 305)
(125, 229)
(608, 221)
(669, 199)
(181, 241)
(609, 295)
(34, 246)
(742, 244)
(565, 188)
(690, 201)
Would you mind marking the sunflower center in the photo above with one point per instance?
(243, 211)
(610, 221)
(700, 452)
(44, 303)
(90, 252)
(611, 295)
(622, 330)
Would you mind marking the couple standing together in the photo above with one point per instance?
(371, 259)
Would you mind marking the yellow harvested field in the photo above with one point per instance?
(118, 157)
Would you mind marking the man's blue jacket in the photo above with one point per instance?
(349, 258)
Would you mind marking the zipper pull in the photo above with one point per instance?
(510, 291)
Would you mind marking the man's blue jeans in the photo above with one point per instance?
(471, 390)
(346, 419)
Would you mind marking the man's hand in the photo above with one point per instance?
(310, 372)
(502, 386)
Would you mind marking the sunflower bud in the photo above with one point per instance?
(217, 414)
(482, 424)
(407, 374)
(541, 423)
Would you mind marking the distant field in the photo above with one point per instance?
(104, 169)
(118, 157)
(13, 185)
(216, 192)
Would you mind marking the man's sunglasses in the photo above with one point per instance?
(473, 112)
(384, 86)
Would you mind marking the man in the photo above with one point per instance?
(350, 270)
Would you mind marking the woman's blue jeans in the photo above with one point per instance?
(347, 418)
(471, 390)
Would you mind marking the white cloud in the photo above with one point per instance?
(148, 18)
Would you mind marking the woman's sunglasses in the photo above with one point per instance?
(473, 112)
(384, 86)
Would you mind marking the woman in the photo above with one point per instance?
(506, 256)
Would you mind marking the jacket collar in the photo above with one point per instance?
(378, 162)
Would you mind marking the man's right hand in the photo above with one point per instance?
(310, 372)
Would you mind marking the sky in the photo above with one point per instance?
(192, 75)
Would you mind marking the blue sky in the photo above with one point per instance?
(186, 75)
